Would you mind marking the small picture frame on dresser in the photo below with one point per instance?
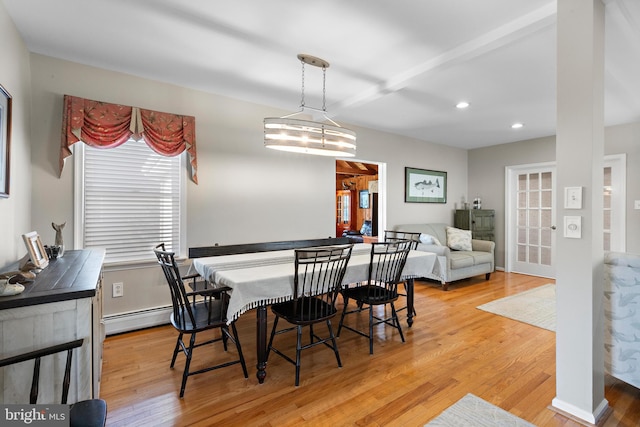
(36, 250)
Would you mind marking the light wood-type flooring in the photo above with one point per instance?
(451, 350)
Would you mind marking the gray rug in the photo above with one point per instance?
(472, 411)
(536, 307)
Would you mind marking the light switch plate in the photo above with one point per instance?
(573, 227)
(636, 204)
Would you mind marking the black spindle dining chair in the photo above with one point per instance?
(385, 271)
(394, 236)
(192, 317)
(85, 413)
(317, 280)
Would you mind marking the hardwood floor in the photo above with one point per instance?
(451, 350)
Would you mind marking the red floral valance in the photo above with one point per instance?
(105, 125)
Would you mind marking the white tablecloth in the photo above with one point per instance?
(267, 277)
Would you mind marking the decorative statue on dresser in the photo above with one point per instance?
(59, 242)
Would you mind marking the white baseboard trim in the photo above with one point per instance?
(579, 414)
(125, 322)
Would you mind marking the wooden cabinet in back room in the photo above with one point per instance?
(479, 221)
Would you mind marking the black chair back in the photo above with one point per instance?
(183, 314)
(318, 277)
(92, 412)
(385, 269)
(394, 236)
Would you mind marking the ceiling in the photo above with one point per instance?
(396, 66)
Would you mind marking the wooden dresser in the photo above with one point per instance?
(63, 303)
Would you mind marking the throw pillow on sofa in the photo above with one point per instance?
(458, 239)
(428, 239)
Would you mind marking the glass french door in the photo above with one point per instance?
(531, 234)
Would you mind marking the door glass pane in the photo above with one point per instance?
(546, 181)
(522, 182)
(522, 236)
(522, 253)
(545, 218)
(522, 200)
(545, 199)
(534, 199)
(545, 256)
(534, 181)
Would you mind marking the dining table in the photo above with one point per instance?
(263, 278)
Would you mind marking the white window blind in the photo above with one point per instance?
(132, 200)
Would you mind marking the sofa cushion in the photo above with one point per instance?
(481, 257)
(463, 259)
(458, 239)
(460, 260)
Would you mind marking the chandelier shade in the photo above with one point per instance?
(307, 136)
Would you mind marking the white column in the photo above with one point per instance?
(579, 157)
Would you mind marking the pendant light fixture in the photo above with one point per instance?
(306, 136)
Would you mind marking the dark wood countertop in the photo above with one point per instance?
(73, 276)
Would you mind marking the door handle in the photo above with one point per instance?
(553, 227)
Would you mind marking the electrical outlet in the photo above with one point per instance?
(118, 290)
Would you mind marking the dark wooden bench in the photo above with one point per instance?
(205, 251)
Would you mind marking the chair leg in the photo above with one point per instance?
(273, 334)
(298, 351)
(225, 337)
(239, 348)
(396, 320)
(370, 329)
(335, 343)
(344, 310)
(185, 374)
(175, 350)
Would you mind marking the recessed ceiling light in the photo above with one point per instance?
(517, 125)
(462, 104)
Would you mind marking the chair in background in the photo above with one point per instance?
(209, 312)
(394, 236)
(86, 413)
(385, 272)
(317, 281)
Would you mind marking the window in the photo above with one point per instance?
(128, 199)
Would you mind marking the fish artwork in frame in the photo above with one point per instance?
(424, 186)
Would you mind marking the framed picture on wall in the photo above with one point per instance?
(424, 186)
(364, 199)
(5, 140)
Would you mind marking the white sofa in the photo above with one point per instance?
(453, 264)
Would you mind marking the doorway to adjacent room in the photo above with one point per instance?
(357, 197)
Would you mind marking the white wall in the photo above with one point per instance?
(15, 211)
(246, 193)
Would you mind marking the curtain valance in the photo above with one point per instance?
(105, 125)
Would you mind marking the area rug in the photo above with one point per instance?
(474, 412)
(536, 307)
